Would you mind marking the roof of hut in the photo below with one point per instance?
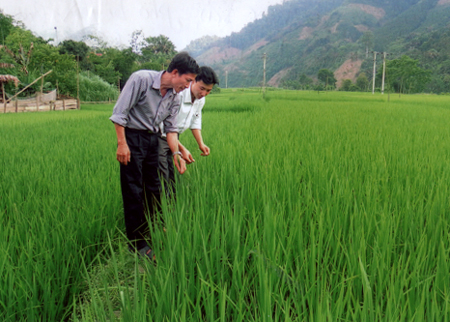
(9, 78)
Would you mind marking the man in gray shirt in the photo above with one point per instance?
(148, 98)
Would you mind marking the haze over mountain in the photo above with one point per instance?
(300, 37)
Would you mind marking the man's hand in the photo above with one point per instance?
(204, 149)
(123, 154)
(180, 164)
(187, 156)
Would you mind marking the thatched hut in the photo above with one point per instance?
(6, 79)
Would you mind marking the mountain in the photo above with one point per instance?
(300, 37)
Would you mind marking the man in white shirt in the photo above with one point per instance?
(189, 117)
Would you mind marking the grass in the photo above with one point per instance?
(311, 207)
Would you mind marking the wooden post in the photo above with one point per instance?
(4, 99)
(17, 100)
(78, 82)
(37, 101)
(64, 104)
(374, 71)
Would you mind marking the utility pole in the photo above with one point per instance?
(384, 71)
(374, 70)
(56, 36)
(226, 79)
(264, 73)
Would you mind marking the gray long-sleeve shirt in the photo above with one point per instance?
(141, 106)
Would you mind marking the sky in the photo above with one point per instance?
(115, 20)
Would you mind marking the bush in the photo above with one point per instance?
(93, 88)
(215, 89)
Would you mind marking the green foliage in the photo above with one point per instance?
(367, 41)
(277, 18)
(405, 76)
(123, 61)
(325, 39)
(362, 82)
(103, 65)
(291, 84)
(403, 24)
(6, 24)
(326, 76)
(215, 89)
(346, 84)
(76, 48)
(305, 80)
(93, 88)
(45, 58)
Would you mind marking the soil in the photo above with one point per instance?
(374, 11)
(217, 54)
(275, 80)
(348, 70)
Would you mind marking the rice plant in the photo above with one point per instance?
(311, 207)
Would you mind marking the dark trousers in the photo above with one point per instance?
(166, 168)
(140, 184)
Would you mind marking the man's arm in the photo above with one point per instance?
(123, 152)
(198, 137)
(172, 141)
(187, 156)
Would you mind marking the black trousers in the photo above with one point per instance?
(166, 168)
(140, 185)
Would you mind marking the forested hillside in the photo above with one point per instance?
(302, 37)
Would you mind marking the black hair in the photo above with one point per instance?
(184, 63)
(207, 76)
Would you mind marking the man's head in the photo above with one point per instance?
(182, 69)
(204, 82)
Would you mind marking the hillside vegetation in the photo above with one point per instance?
(301, 37)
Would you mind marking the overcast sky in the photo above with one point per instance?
(115, 20)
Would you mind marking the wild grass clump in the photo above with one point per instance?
(93, 88)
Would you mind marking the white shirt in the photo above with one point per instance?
(190, 114)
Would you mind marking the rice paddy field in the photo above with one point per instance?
(311, 207)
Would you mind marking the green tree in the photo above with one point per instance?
(405, 76)
(326, 76)
(102, 64)
(77, 49)
(123, 61)
(158, 50)
(367, 40)
(305, 81)
(362, 82)
(47, 57)
(346, 84)
(6, 24)
(19, 47)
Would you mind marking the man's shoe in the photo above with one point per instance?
(147, 252)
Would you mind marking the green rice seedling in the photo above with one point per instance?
(312, 206)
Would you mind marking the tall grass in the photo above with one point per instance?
(93, 88)
(58, 199)
(329, 206)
